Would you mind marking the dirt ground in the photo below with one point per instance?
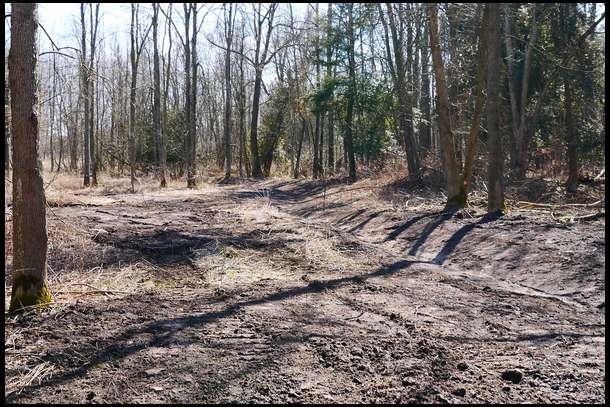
(301, 291)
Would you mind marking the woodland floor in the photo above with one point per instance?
(304, 291)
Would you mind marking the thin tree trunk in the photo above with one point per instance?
(425, 138)
(404, 98)
(330, 114)
(52, 112)
(157, 99)
(85, 93)
(572, 140)
(227, 124)
(91, 82)
(349, 143)
(478, 109)
(192, 169)
(242, 108)
(442, 106)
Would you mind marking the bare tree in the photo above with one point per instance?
(29, 203)
(260, 60)
(405, 101)
(135, 51)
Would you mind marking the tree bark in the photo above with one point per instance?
(259, 65)
(85, 93)
(330, 114)
(91, 82)
(572, 140)
(157, 99)
(442, 105)
(132, 102)
(478, 108)
(349, 143)
(192, 169)
(29, 204)
(495, 187)
(405, 101)
(227, 125)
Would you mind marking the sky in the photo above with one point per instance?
(62, 21)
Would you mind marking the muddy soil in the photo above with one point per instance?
(284, 291)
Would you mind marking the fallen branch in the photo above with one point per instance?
(598, 204)
(591, 216)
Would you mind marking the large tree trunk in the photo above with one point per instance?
(442, 105)
(495, 187)
(29, 204)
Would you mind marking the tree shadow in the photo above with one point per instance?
(401, 228)
(457, 237)
(164, 330)
(430, 227)
(362, 224)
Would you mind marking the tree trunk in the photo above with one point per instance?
(425, 137)
(192, 170)
(132, 103)
(478, 108)
(29, 204)
(442, 105)
(316, 142)
(256, 166)
(405, 102)
(91, 82)
(242, 108)
(330, 114)
(157, 99)
(495, 187)
(52, 113)
(85, 93)
(299, 147)
(227, 125)
(349, 143)
(571, 138)
(166, 90)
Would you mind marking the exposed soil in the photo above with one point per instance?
(285, 291)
